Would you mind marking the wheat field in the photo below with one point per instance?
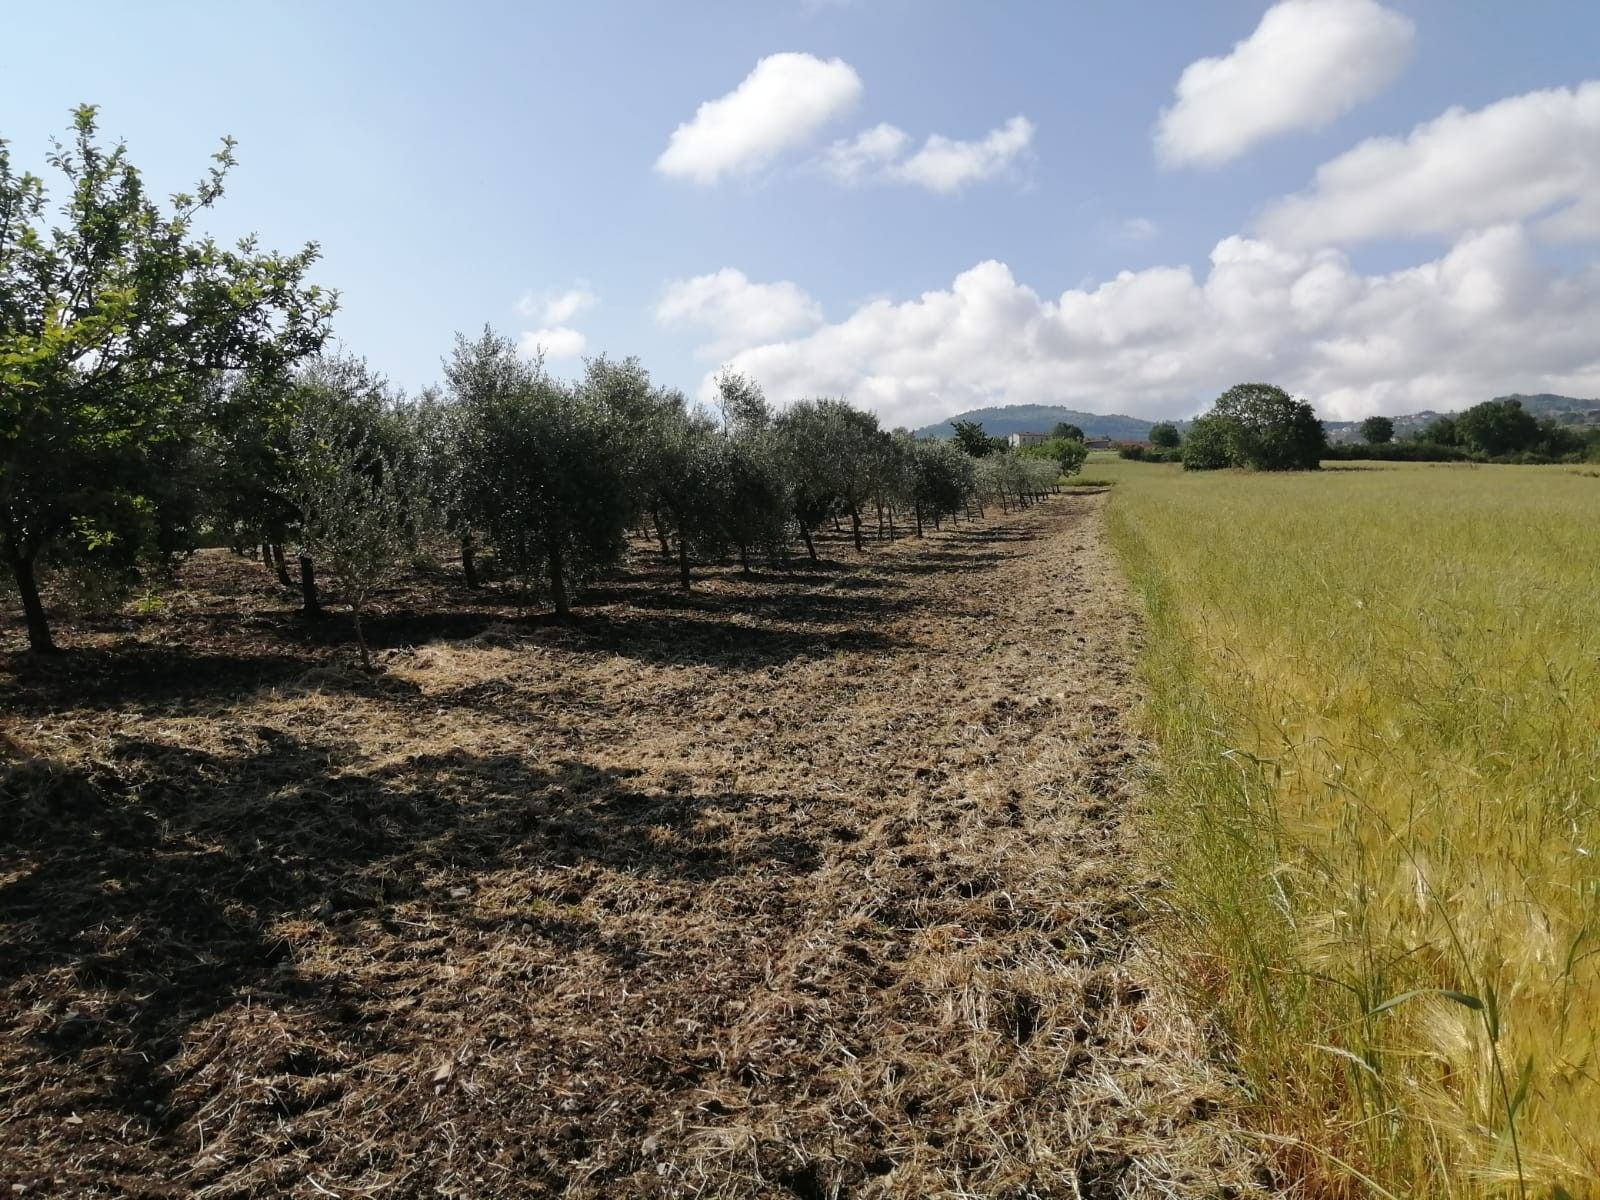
(1378, 798)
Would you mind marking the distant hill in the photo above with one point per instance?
(1038, 418)
(1566, 409)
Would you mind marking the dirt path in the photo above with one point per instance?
(812, 886)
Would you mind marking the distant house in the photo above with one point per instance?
(1098, 443)
(1018, 440)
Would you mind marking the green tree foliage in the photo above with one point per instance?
(1259, 426)
(1209, 446)
(111, 319)
(545, 482)
(940, 480)
(757, 496)
(347, 490)
(1377, 431)
(1441, 431)
(442, 483)
(1067, 453)
(692, 478)
(1165, 434)
(969, 435)
(1066, 431)
(1014, 480)
(832, 452)
(1498, 427)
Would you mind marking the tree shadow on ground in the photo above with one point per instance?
(142, 896)
(141, 675)
(218, 655)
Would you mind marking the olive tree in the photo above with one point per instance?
(690, 486)
(756, 495)
(942, 480)
(352, 514)
(110, 317)
(833, 450)
(545, 483)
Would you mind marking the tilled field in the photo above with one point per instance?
(815, 884)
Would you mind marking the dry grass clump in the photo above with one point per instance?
(1376, 699)
(813, 884)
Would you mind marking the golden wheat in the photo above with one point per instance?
(1377, 694)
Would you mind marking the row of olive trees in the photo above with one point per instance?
(553, 475)
(158, 389)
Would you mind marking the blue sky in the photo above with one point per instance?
(508, 163)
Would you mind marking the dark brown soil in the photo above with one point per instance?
(808, 885)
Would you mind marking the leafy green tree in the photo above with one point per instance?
(942, 480)
(480, 373)
(352, 513)
(969, 435)
(110, 320)
(368, 414)
(1498, 427)
(743, 405)
(1066, 431)
(1441, 431)
(247, 436)
(546, 483)
(1165, 434)
(441, 476)
(1067, 453)
(832, 451)
(693, 477)
(1268, 430)
(1377, 431)
(756, 494)
(1210, 444)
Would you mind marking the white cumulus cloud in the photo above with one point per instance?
(736, 312)
(782, 103)
(555, 343)
(556, 308)
(854, 160)
(1486, 317)
(1523, 157)
(941, 164)
(1307, 62)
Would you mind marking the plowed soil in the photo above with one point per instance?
(813, 884)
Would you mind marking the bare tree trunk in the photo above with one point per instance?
(558, 582)
(469, 564)
(683, 562)
(308, 588)
(855, 527)
(891, 522)
(280, 564)
(917, 508)
(811, 548)
(361, 639)
(39, 640)
(661, 534)
(744, 558)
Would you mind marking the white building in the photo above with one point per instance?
(1017, 440)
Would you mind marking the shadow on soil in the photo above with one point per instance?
(206, 659)
(144, 896)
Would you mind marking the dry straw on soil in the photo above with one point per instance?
(810, 885)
